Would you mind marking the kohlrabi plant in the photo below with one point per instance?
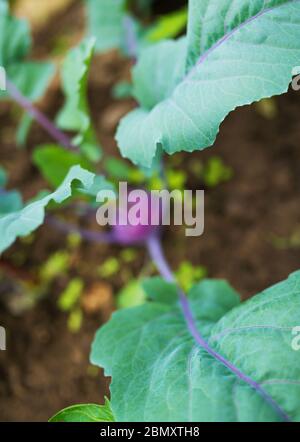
(196, 356)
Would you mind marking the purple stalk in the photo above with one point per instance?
(88, 235)
(38, 116)
(130, 37)
(156, 252)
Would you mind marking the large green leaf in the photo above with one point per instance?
(31, 78)
(211, 20)
(26, 220)
(238, 52)
(85, 413)
(75, 114)
(160, 373)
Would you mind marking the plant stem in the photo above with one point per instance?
(38, 116)
(88, 235)
(156, 252)
(130, 37)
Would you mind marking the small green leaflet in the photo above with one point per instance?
(75, 114)
(105, 23)
(111, 23)
(23, 129)
(69, 298)
(100, 183)
(237, 53)
(85, 413)
(168, 26)
(10, 200)
(131, 295)
(159, 373)
(120, 170)
(113, 27)
(3, 177)
(31, 78)
(54, 162)
(122, 90)
(28, 219)
(160, 291)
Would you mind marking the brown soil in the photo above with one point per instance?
(45, 367)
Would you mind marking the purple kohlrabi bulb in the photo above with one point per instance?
(138, 222)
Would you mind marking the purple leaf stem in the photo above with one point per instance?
(130, 37)
(39, 117)
(88, 235)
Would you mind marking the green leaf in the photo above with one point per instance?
(122, 90)
(211, 20)
(3, 177)
(154, 360)
(151, 84)
(28, 219)
(111, 23)
(23, 129)
(54, 162)
(168, 26)
(75, 320)
(176, 179)
(10, 201)
(56, 265)
(109, 268)
(160, 291)
(75, 114)
(216, 172)
(131, 295)
(85, 413)
(71, 295)
(31, 78)
(100, 183)
(105, 23)
(238, 53)
(187, 275)
(118, 168)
